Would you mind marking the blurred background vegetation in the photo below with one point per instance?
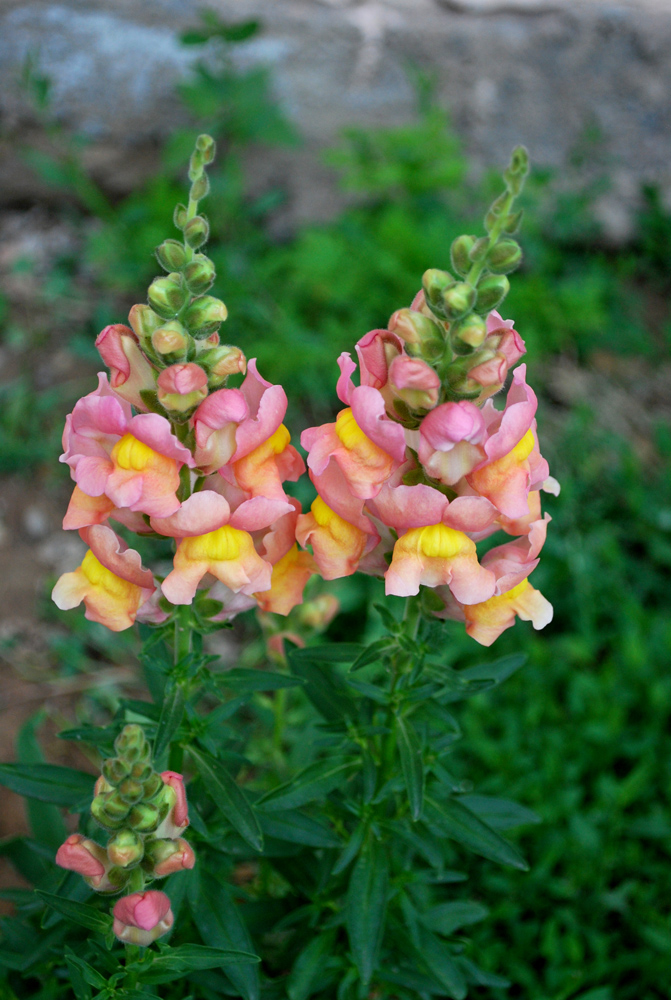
(581, 734)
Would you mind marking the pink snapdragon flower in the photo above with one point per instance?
(130, 372)
(451, 441)
(111, 581)
(142, 917)
(134, 461)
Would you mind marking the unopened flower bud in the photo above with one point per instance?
(206, 145)
(90, 860)
(141, 771)
(460, 254)
(131, 791)
(422, 335)
(131, 743)
(199, 274)
(435, 283)
(504, 257)
(205, 315)
(142, 917)
(167, 295)
(165, 857)
(144, 321)
(222, 361)
(479, 250)
(414, 382)
(171, 338)
(182, 387)
(125, 849)
(152, 786)
(171, 255)
(109, 810)
(102, 785)
(145, 817)
(492, 290)
(458, 300)
(200, 187)
(130, 372)
(470, 331)
(179, 216)
(196, 232)
(115, 770)
(174, 795)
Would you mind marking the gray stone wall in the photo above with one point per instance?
(542, 72)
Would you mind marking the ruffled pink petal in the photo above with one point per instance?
(405, 507)
(156, 432)
(114, 554)
(199, 514)
(259, 512)
(369, 410)
(267, 405)
(345, 385)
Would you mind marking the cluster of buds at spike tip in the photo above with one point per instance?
(145, 814)
(421, 466)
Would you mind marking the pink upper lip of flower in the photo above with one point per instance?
(176, 782)
(207, 511)
(73, 855)
(142, 909)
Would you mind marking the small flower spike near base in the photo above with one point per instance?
(145, 814)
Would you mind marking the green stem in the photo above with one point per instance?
(476, 270)
(411, 619)
(182, 633)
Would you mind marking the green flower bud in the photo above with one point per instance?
(479, 250)
(205, 315)
(458, 300)
(114, 770)
(171, 255)
(459, 254)
(141, 771)
(109, 810)
(125, 849)
(199, 274)
(200, 188)
(131, 736)
(435, 283)
(167, 295)
(206, 145)
(513, 222)
(222, 361)
(152, 786)
(423, 337)
(170, 339)
(492, 290)
(504, 257)
(143, 321)
(196, 232)
(468, 333)
(179, 216)
(146, 817)
(131, 791)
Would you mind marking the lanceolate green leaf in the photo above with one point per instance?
(446, 918)
(366, 907)
(459, 823)
(62, 786)
(442, 966)
(322, 685)
(178, 962)
(46, 821)
(243, 679)
(412, 765)
(220, 926)
(298, 829)
(313, 782)
(308, 966)
(229, 798)
(500, 814)
(79, 913)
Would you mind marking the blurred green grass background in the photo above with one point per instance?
(581, 734)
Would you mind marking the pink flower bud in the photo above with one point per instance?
(170, 856)
(182, 387)
(78, 854)
(142, 917)
(502, 349)
(376, 350)
(174, 794)
(129, 369)
(451, 439)
(414, 382)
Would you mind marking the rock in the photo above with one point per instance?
(542, 72)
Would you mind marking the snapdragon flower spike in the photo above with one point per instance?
(142, 917)
(409, 481)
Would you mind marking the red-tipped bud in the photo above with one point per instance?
(169, 856)
(182, 387)
(142, 917)
(174, 794)
(414, 382)
(171, 338)
(90, 860)
(144, 321)
(130, 372)
(222, 361)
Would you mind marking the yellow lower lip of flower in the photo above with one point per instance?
(523, 448)
(278, 441)
(436, 541)
(354, 438)
(104, 579)
(341, 531)
(131, 454)
(222, 545)
(494, 604)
